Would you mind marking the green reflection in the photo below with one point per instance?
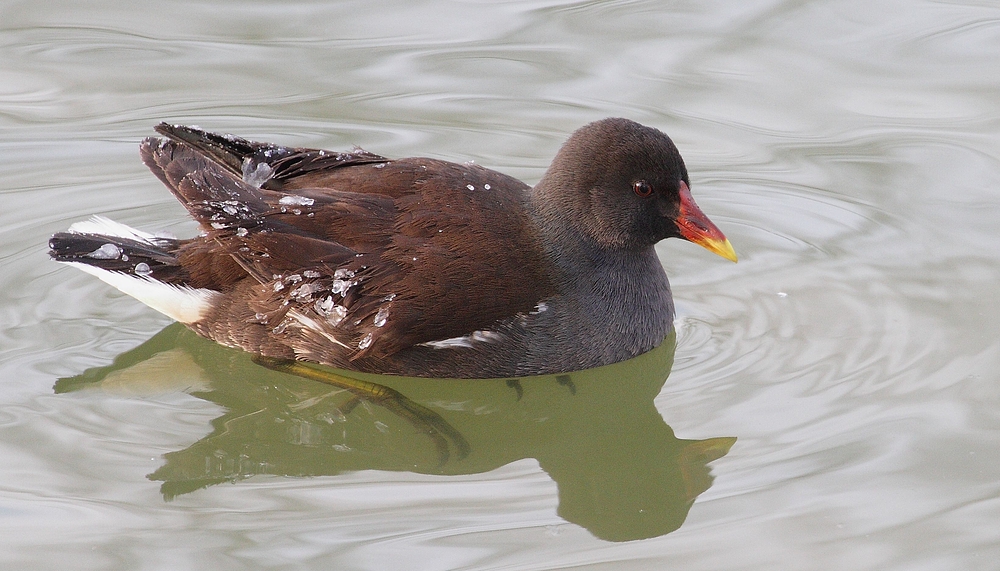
(621, 472)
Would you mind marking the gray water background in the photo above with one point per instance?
(849, 150)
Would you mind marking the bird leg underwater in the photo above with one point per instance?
(420, 417)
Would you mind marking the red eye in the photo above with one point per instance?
(642, 188)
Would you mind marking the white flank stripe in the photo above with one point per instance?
(466, 341)
(311, 323)
(108, 227)
(182, 303)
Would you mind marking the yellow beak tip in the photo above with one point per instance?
(721, 247)
(728, 252)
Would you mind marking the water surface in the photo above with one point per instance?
(849, 150)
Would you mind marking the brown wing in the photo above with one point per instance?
(455, 260)
(360, 260)
(243, 157)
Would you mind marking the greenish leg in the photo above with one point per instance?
(422, 418)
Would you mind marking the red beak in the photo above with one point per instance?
(696, 227)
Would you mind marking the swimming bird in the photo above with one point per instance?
(414, 266)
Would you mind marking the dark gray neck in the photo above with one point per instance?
(620, 296)
(623, 296)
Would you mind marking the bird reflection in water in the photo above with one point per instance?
(620, 471)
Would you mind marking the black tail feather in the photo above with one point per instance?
(118, 254)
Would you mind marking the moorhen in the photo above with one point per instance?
(415, 266)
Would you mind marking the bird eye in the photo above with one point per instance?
(642, 188)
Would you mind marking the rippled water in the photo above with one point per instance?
(848, 149)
